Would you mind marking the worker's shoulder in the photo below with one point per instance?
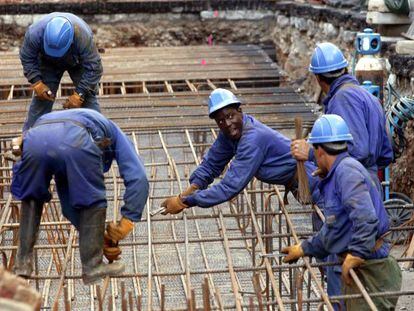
(260, 134)
(351, 169)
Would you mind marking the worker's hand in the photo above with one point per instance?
(111, 250)
(189, 190)
(42, 91)
(17, 146)
(293, 252)
(119, 230)
(173, 205)
(349, 263)
(299, 149)
(73, 101)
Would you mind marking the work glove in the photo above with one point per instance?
(119, 230)
(73, 101)
(299, 149)
(17, 144)
(42, 91)
(173, 205)
(349, 263)
(293, 252)
(190, 190)
(111, 250)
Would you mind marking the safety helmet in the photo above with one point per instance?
(329, 128)
(58, 36)
(326, 58)
(220, 98)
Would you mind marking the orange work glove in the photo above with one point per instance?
(111, 250)
(73, 101)
(349, 263)
(119, 230)
(293, 252)
(173, 205)
(42, 91)
(192, 188)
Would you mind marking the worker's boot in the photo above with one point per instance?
(30, 214)
(91, 242)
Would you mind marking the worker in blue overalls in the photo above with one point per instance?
(59, 42)
(361, 111)
(257, 151)
(355, 218)
(77, 147)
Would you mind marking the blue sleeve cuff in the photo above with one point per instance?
(190, 200)
(199, 182)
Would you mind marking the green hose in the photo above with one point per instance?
(398, 6)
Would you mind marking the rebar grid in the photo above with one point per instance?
(230, 251)
(222, 258)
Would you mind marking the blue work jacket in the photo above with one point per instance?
(355, 216)
(260, 152)
(119, 147)
(365, 118)
(83, 53)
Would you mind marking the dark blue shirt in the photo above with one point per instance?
(355, 216)
(130, 166)
(83, 52)
(261, 152)
(365, 118)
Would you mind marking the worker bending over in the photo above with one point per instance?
(57, 43)
(355, 219)
(77, 147)
(258, 151)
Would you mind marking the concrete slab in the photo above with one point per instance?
(405, 47)
(377, 6)
(387, 18)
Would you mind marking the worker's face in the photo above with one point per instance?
(230, 122)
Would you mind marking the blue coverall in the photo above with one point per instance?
(355, 217)
(260, 152)
(371, 146)
(77, 147)
(365, 118)
(82, 62)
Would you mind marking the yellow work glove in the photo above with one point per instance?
(73, 101)
(119, 230)
(293, 252)
(111, 250)
(349, 263)
(173, 205)
(42, 91)
(192, 188)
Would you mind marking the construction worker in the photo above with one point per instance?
(360, 109)
(56, 43)
(258, 151)
(355, 218)
(77, 147)
(364, 115)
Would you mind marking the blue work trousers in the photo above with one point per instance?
(67, 152)
(51, 76)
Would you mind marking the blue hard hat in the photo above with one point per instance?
(329, 128)
(58, 36)
(326, 58)
(220, 98)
